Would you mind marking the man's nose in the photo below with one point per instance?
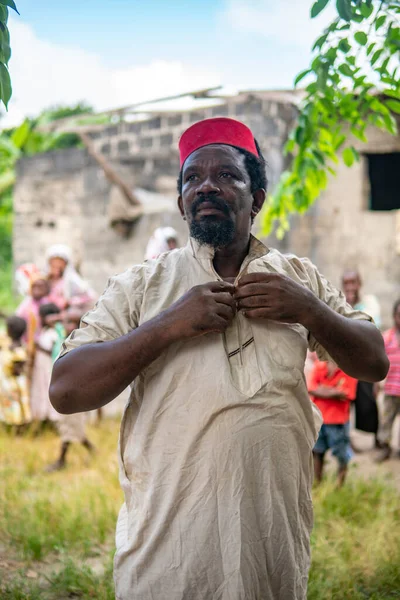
(208, 186)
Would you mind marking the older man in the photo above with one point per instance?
(216, 441)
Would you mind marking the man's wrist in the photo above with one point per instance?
(312, 313)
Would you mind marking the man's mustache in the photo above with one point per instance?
(216, 203)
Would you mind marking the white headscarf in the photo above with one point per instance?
(74, 285)
(59, 251)
(158, 242)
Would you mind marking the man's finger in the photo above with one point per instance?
(251, 289)
(257, 313)
(258, 278)
(225, 298)
(226, 312)
(260, 301)
(221, 286)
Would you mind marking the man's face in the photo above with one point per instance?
(351, 286)
(216, 195)
(40, 289)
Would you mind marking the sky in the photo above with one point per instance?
(111, 53)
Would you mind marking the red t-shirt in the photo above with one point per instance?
(334, 412)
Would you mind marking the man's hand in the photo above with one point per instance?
(205, 308)
(273, 296)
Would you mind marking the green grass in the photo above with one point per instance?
(61, 526)
(356, 542)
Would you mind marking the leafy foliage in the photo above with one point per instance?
(27, 139)
(356, 57)
(5, 51)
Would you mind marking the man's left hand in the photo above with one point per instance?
(273, 296)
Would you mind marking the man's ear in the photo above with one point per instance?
(180, 206)
(258, 201)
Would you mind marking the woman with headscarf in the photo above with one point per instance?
(68, 288)
(162, 240)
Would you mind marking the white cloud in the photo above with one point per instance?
(283, 21)
(45, 74)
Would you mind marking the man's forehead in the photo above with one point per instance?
(216, 153)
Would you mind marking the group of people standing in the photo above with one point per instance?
(333, 392)
(53, 305)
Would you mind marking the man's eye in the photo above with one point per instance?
(191, 177)
(226, 174)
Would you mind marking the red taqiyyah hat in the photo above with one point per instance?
(220, 130)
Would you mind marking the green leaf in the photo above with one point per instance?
(348, 157)
(20, 135)
(344, 46)
(318, 7)
(376, 56)
(10, 3)
(361, 38)
(5, 85)
(290, 146)
(5, 52)
(320, 41)
(345, 70)
(316, 63)
(359, 134)
(3, 14)
(383, 68)
(299, 135)
(301, 76)
(331, 55)
(392, 93)
(339, 141)
(311, 88)
(366, 10)
(390, 124)
(394, 105)
(344, 9)
(379, 22)
(370, 48)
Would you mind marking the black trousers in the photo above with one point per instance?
(365, 408)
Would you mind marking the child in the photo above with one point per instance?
(41, 408)
(332, 391)
(14, 401)
(391, 402)
(29, 307)
(71, 427)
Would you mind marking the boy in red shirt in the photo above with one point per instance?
(332, 391)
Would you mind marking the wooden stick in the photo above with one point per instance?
(109, 172)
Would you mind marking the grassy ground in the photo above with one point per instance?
(56, 531)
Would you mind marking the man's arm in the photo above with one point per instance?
(92, 375)
(355, 345)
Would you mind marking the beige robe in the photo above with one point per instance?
(216, 440)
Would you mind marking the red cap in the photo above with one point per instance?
(220, 130)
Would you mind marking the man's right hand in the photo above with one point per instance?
(205, 308)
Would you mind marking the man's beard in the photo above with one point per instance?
(211, 230)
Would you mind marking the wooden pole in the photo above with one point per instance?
(109, 172)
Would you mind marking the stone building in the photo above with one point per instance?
(65, 197)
